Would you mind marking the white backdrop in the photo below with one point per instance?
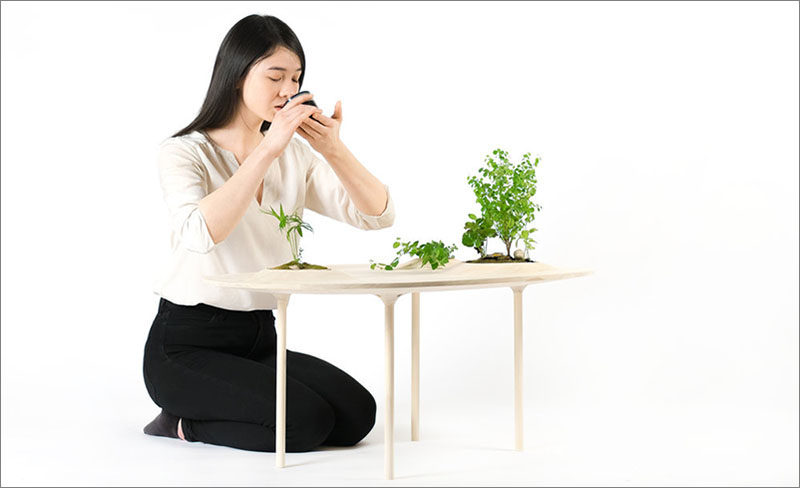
(668, 138)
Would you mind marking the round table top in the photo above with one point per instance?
(359, 278)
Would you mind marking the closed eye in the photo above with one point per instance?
(273, 79)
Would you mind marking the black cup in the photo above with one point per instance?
(298, 94)
(307, 102)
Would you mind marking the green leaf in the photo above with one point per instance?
(468, 241)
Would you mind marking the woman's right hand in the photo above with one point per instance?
(286, 122)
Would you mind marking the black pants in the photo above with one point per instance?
(215, 368)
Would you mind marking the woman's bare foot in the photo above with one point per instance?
(180, 430)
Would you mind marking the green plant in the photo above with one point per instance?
(294, 226)
(525, 237)
(478, 232)
(504, 191)
(434, 253)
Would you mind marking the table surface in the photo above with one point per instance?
(409, 277)
(359, 278)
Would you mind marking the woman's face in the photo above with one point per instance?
(271, 82)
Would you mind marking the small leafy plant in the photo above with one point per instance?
(293, 225)
(504, 191)
(479, 230)
(434, 253)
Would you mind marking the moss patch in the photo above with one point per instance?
(296, 265)
(499, 257)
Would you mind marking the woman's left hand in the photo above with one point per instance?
(323, 135)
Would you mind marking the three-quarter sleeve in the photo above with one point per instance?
(183, 183)
(326, 195)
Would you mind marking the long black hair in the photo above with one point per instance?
(250, 40)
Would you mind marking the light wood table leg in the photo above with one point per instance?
(518, 432)
(280, 384)
(415, 366)
(388, 428)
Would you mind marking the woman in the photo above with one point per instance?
(209, 359)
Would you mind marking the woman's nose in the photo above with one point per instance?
(288, 91)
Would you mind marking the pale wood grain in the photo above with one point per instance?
(359, 278)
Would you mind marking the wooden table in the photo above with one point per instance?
(388, 286)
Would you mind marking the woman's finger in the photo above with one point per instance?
(309, 126)
(322, 120)
(300, 115)
(314, 122)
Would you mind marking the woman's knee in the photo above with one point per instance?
(359, 421)
(310, 425)
(367, 417)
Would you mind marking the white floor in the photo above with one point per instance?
(583, 445)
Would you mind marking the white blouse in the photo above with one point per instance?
(192, 166)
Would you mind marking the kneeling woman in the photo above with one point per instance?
(210, 356)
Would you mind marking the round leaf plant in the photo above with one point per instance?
(504, 191)
(434, 253)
